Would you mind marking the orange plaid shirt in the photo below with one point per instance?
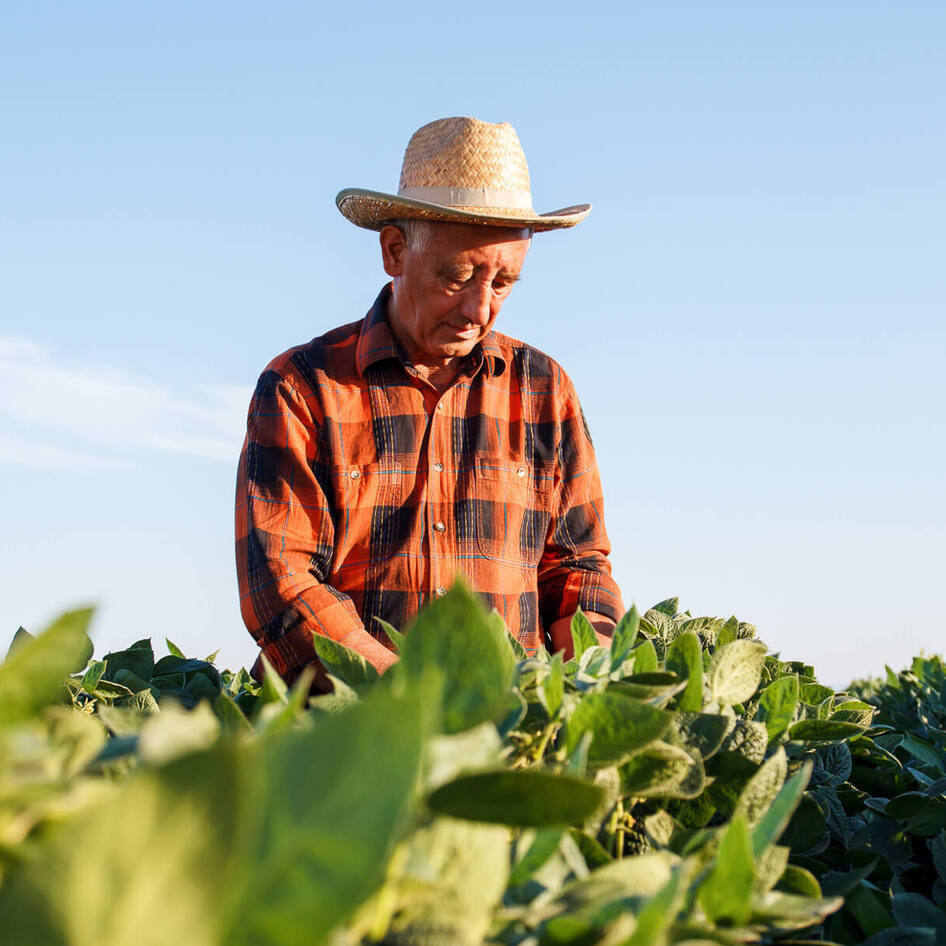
(362, 492)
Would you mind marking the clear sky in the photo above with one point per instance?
(753, 314)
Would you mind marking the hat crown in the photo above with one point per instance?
(466, 153)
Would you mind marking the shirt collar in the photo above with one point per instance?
(376, 342)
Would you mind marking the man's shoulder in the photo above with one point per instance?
(529, 362)
(331, 353)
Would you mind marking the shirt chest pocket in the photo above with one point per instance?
(372, 522)
(513, 501)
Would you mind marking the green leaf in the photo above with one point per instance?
(777, 705)
(645, 658)
(394, 635)
(649, 687)
(91, 677)
(763, 788)
(728, 632)
(853, 711)
(583, 634)
(663, 771)
(173, 649)
(350, 667)
(938, 850)
(735, 671)
(821, 731)
(551, 690)
(668, 606)
(904, 936)
(165, 833)
(704, 732)
(726, 894)
(231, 716)
(776, 818)
(137, 659)
(543, 846)
(526, 798)
(476, 662)
(923, 751)
(318, 828)
(913, 909)
(273, 689)
(21, 638)
(659, 913)
(32, 675)
(685, 659)
(620, 727)
(814, 693)
(622, 640)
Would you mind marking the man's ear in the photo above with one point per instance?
(393, 249)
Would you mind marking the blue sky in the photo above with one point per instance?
(753, 314)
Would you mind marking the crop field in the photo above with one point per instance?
(683, 787)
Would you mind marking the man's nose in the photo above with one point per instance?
(476, 303)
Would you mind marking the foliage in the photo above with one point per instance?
(682, 786)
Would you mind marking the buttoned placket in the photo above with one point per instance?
(438, 452)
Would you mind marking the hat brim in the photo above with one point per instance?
(374, 209)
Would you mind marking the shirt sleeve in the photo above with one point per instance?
(575, 571)
(285, 535)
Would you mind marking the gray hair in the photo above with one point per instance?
(418, 233)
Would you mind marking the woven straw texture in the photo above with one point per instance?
(459, 153)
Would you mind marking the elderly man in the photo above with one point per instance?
(394, 454)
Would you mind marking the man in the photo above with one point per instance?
(392, 455)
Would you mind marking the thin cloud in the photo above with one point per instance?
(106, 416)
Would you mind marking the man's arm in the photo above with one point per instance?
(575, 571)
(285, 537)
(560, 633)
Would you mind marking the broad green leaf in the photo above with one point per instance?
(231, 716)
(583, 634)
(704, 732)
(622, 640)
(798, 880)
(777, 705)
(823, 730)
(660, 912)
(685, 659)
(32, 675)
(145, 866)
(177, 732)
(476, 662)
(350, 667)
(779, 813)
(841, 883)
(21, 638)
(645, 658)
(735, 671)
(525, 798)
(318, 828)
(923, 751)
(137, 659)
(394, 635)
(938, 850)
(770, 869)
(763, 788)
(913, 909)
(591, 850)
(726, 894)
(91, 677)
(619, 726)
(452, 878)
(853, 711)
(904, 936)
(173, 649)
(814, 693)
(655, 687)
(551, 690)
(663, 771)
(544, 845)
(728, 632)
(668, 606)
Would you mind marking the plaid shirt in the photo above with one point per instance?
(362, 492)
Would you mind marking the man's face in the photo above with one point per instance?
(450, 288)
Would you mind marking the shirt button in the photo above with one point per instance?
(354, 474)
(441, 591)
(439, 406)
(521, 471)
(439, 527)
(438, 467)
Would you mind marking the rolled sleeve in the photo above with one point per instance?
(285, 533)
(575, 571)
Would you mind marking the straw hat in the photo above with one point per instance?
(459, 170)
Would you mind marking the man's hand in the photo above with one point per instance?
(561, 633)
